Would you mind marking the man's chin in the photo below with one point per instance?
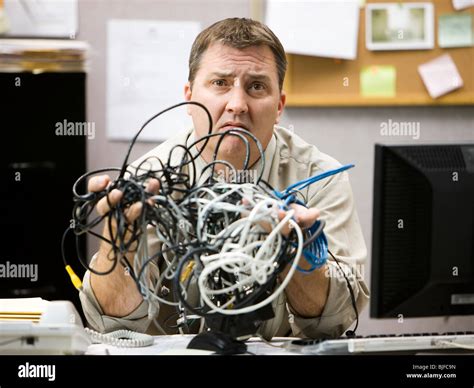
(234, 154)
(231, 145)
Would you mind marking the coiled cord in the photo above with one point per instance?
(120, 338)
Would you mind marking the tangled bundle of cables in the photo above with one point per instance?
(222, 244)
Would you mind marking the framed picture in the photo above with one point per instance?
(399, 26)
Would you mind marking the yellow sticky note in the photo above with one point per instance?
(378, 81)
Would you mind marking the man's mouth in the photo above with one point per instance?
(230, 125)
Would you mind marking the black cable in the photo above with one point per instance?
(349, 333)
(237, 131)
(173, 213)
(124, 165)
(85, 203)
(316, 234)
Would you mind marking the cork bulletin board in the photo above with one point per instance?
(317, 81)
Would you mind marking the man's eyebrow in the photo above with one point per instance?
(222, 74)
(251, 75)
(259, 77)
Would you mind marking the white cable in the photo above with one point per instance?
(120, 338)
(248, 238)
(212, 267)
(453, 344)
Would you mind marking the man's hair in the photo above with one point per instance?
(238, 33)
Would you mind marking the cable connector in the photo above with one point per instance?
(76, 281)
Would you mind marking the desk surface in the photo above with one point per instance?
(176, 344)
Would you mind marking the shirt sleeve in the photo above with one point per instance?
(334, 200)
(138, 320)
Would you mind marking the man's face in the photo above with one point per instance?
(239, 87)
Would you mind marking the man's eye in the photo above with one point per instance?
(219, 82)
(257, 86)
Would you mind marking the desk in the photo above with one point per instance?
(176, 345)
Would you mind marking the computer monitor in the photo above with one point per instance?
(423, 231)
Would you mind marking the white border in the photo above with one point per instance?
(429, 28)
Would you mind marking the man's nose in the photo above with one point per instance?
(237, 103)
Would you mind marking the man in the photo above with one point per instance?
(236, 69)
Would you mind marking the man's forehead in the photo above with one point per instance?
(257, 61)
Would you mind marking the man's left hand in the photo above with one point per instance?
(304, 217)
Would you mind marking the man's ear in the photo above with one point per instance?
(281, 106)
(187, 96)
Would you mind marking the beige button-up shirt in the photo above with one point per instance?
(288, 159)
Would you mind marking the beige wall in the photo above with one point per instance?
(348, 134)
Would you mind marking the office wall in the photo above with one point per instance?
(348, 134)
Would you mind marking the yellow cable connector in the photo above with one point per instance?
(76, 281)
(187, 271)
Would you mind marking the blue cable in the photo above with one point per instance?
(317, 252)
(312, 179)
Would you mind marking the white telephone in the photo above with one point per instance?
(37, 326)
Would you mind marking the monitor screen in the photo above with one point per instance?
(423, 231)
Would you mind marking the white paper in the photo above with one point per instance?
(23, 305)
(462, 4)
(440, 76)
(42, 18)
(20, 46)
(147, 68)
(326, 28)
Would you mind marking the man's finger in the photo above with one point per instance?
(133, 212)
(285, 231)
(103, 205)
(153, 186)
(305, 217)
(98, 183)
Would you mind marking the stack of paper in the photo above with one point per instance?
(21, 309)
(42, 55)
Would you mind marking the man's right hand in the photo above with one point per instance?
(116, 292)
(101, 182)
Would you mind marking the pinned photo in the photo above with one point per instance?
(399, 26)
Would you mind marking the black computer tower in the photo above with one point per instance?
(38, 166)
